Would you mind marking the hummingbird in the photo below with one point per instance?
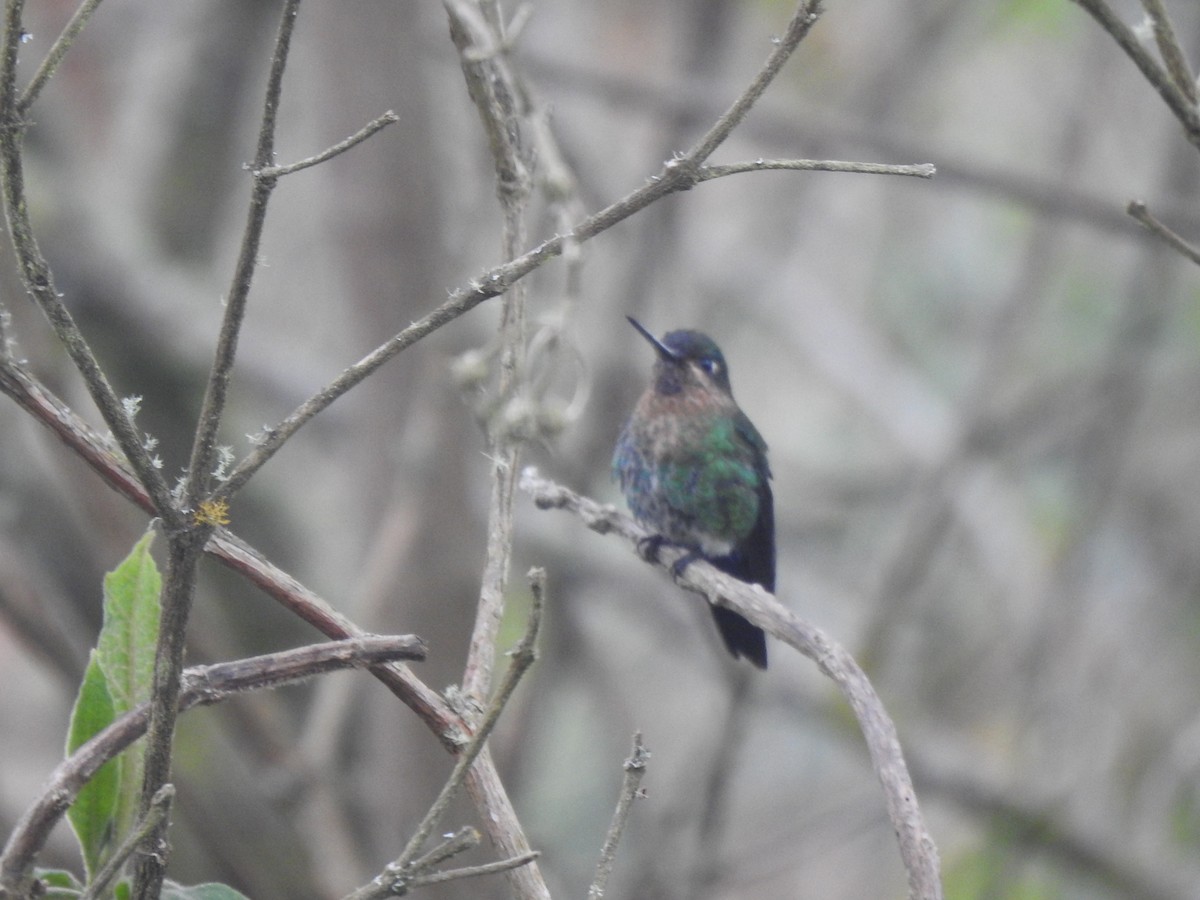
(693, 469)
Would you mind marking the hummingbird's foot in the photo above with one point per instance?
(680, 565)
(648, 547)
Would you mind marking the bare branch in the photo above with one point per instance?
(917, 848)
(635, 768)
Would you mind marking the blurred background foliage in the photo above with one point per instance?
(982, 396)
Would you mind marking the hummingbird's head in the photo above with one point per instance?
(687, 360)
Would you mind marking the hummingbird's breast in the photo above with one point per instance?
(687, 472)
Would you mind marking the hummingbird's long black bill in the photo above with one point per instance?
(663, 350)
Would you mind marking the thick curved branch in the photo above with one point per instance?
(917, 848)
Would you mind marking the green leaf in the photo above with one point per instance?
(172, 891)
(94, 812)
(131, 614)
(118, 678)
(126, 654)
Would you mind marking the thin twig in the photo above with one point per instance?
(1170, 50)
(160, 808)
(388, 118)
(461, 841)
(202, 686)
(56, 53)
(917, 849)
(419, 873)
(1179, 104)
(492, 868)
(39, 281)
(1138, 210)
(635, 768)
(920, 170)
(213, 408)
(802, 21)
(523, 656)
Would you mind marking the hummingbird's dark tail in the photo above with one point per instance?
(742, 638)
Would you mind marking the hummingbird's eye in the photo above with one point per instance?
(711, 366)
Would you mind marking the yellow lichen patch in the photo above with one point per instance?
(212, 512)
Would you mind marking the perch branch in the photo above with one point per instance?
(917, 849)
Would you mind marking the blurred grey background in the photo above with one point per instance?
(981, 393)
